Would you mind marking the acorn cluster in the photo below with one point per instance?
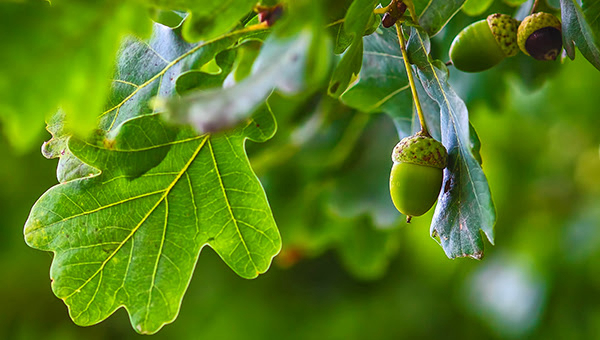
(485, 43)
(419, 160)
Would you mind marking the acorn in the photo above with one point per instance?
(417, 173)
(269, 14)
(394, 13)
(485, 43)
(540, 36)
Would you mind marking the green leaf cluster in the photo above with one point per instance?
(59, 55)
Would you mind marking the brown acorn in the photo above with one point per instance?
(394, 13)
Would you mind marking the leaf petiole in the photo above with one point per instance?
(535, 6)
(382, 10)
(411, 80)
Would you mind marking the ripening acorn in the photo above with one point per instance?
(485, 43)
(417, 173)
(540, 36)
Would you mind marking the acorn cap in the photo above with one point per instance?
(422, 150)
(540, 36)
(504, 29)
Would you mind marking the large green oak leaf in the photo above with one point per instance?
(140, 198)
(125, 239)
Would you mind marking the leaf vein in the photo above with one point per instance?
(229, 207)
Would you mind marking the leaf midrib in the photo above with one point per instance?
(134, 230)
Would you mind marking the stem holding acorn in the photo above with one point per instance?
(411, 81)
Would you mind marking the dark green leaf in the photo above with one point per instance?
(347, 68)
(382, 84)
(358, 16)
(437, 13)
(577, 31)
(341, 39)
(591, 10)
(465, 205)
(475, 144)
(358, 19)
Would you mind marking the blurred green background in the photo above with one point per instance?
(540, 133)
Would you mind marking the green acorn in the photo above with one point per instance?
(540, 36)
(485, 43)
(416, 177)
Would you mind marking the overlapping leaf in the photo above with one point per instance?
(165, 57)
(130, 234)
(69, 167)
(465, 205)
(280, 65)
